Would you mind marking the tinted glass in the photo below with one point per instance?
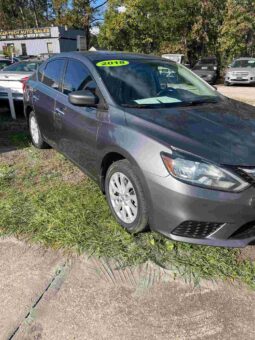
(53, 73)
(244, 63)
(208, 61)
(4, 63)
(143, 83)
(24, 66)
(76, 78)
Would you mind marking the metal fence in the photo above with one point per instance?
(10, 99)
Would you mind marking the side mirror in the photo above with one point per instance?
(83, 98)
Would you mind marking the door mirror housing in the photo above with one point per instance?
(83, 98)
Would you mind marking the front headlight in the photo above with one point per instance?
(193, 170)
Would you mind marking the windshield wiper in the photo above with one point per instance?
(140, 106)
(201, 101)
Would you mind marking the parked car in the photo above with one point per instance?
(241, 71)
(208, 69)
(178, 58)
(168, 152)
(4, 63)
(206, 72)
(14, 76)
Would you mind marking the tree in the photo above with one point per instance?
(159, 26)
(237, 34)
(78, 14)
(22, 13)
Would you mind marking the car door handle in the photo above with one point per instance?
(59, 112)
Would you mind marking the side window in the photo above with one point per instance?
(76, 78)
(53, 73)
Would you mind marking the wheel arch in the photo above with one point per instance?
(27, 110)
(115, 155)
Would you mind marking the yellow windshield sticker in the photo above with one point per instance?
(112, 63)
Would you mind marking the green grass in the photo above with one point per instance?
(20, 139)
(45, 199)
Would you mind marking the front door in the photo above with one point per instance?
(77, 126)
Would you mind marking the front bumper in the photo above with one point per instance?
(247, 81)
(177, 206)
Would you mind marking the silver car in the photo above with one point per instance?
(241, 71)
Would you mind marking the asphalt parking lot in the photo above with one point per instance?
(47, 294)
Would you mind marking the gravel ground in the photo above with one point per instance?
(242, 93)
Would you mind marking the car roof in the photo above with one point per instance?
(104, 55)
(29, 61)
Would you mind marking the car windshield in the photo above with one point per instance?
(208, 61)
(153, 83)
(30, 66)
(244, 63)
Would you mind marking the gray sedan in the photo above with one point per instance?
(167, 150)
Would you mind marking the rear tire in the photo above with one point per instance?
(125, 196)
(35, 132)
(226, 83)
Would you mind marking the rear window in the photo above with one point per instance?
(23, 67)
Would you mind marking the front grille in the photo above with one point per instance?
(241, 74)
(239, 79)
(246, 231)
(194, 229)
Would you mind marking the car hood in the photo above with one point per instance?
(242, 69)
(204, 72)
(222, 132)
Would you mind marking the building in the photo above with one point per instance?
(35, 41)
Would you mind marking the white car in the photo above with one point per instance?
(14, 77)
(241, 71)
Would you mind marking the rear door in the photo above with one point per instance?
(44, 97)
(77, 126)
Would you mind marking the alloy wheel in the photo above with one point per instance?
(123, 197)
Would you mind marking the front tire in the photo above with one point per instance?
(35, 133)
(125, 196)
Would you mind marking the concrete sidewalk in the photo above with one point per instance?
(44, 295)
